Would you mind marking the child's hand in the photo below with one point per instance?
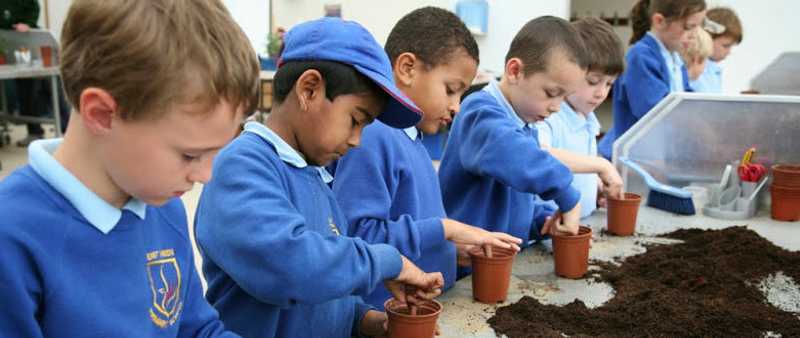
(601, 197)
(22, 27)
(612, 182)
(374, 324)
(570, 221)
(557, 223)
(424, 285)
(462, 254)
(461, 233)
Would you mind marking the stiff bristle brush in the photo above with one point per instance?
(662, 196)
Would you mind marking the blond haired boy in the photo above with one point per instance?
(157, 87)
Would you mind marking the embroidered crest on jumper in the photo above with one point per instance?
(164, 275)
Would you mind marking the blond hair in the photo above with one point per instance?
(151, 54)
(700, 45)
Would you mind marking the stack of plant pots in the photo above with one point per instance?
(571, 253)
(491, 276)
(622, 213)
(408, 322)
(785, 192)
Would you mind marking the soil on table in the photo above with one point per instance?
(706, 286)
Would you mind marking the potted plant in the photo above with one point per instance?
(491, 275)
(418, 321)
(571, 253)
(622, 212)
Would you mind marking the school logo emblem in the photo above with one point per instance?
(164, 275)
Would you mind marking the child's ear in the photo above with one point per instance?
(405, 66)
(657, 20)
(309, 88)
(514, 70)
(97, 110)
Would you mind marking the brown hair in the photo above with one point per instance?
(728, 18)
(602, 45)
(670, 9)
(540, 37)
(151, 54)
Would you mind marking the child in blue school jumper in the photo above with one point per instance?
(570, 135)
(493, 167)
(94, 240)
(654, 66)
(710, 81)
(388, 188)
(276, 253)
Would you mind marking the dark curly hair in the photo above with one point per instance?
(433, 35)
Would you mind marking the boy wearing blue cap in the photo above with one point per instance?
(388, 187)
(493, 168)
(276, 254)
(105, 252)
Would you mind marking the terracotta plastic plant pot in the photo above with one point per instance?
(402, 324)
(491, 276)
(786, 175)
(621, 218)
(47, 56)
(785, 203)
(571, 253)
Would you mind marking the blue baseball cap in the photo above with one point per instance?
(334, 39)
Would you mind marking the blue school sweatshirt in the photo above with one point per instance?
(389, 192)
(492, 166)
(646, 80)
(276, 255)
(72, 265)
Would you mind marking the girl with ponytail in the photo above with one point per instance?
(653, 63)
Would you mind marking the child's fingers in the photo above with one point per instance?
(498, 243)
(547, 225)
(397, 290)
(488, 250)
(506, 237)
(567, 229)
(424, 295)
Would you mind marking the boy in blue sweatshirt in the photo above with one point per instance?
(106, 251)
(654, 66)
(388, 188)
(492, 167)
(570, 135)
(276, 253)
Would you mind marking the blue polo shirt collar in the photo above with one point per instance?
(413, 133)
(493, 88)
(100, 214)
(285, 152)
(576, 121)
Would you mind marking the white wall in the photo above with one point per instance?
(253, 16)
(770, 28)
(57, 10)
(378, 16)
(506, 17)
